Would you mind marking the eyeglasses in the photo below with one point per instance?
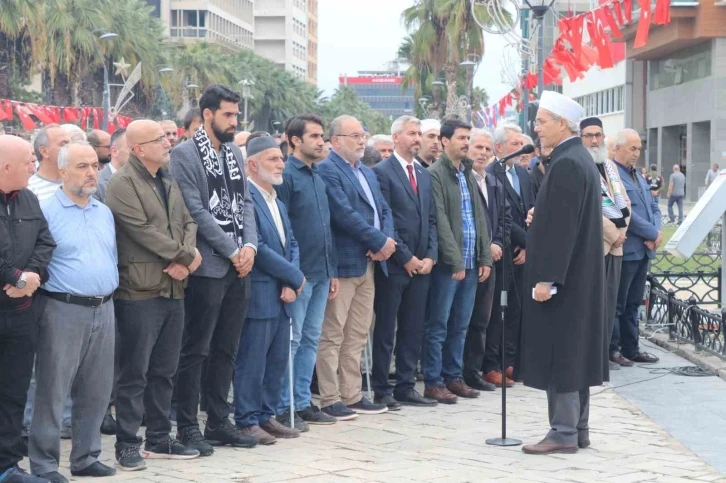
(597, 135)
(356, 137)
(158, 140)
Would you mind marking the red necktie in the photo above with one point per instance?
(412, 179)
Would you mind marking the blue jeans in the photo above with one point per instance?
(678, 200)
(308, 312)
(630, 296)
(261, 363)
(449, 310)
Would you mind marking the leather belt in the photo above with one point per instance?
(77, 299)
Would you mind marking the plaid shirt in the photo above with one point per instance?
(467, 221)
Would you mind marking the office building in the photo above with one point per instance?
(281, 34)
(382, 90)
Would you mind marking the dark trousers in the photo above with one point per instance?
(214, 310)
(475, 344)
(569, 414)
(402, 298)
(150, 333)
(630, 295)
(512, 319)
(613, 267)
(18, 337)
(261, 363)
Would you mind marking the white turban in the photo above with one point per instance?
(429, 124)
(561, 106)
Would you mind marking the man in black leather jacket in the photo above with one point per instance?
(26, 246)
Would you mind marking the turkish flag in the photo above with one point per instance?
(563, 57)
(550, 72)
(628, 5)
(589, 55)
(25, 120)
(502, 106)
(618, 13)
(600, 40)
(7, 108)
(564, 26)
(607, 18)
(662, 12)
(70, 114)
(40, 113)
(578, 26)
(641, 36)
(531, 81)
(3, 115)
(85, 113)
(123, 121)
(508, 99)
(54, 112)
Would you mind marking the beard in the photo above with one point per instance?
(599, 154)
(223, 136)
(269, 177)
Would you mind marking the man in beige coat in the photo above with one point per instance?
(615, 216)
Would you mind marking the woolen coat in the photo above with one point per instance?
(564, 338)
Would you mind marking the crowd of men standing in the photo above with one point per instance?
(143, 272)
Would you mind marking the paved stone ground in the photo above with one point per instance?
(446, 444)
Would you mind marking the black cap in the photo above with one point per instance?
(590, 121)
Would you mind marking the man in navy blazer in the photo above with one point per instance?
(642, 239)
(262, 356)
(520, 196)
(407, 188)
(363, 234)
(499, 217)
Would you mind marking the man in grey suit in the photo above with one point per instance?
(119, 155)
(210, 173)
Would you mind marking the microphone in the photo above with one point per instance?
(527, 149)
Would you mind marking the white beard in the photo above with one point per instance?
(599, 155)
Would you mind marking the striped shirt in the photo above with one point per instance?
(43, 188)
(467, 221)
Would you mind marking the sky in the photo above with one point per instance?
(355, 36)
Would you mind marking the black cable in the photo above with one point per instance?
(684, 371)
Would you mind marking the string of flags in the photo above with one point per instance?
(31, 114)
(576, 57)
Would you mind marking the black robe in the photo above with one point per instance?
(563, 339)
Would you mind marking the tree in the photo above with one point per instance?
(443, 33)
(346, 101)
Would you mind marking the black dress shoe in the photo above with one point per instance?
(108, 425)
(389, 401)
(413, 398)
(476, 382)
(96, 469)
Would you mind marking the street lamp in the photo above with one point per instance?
(540, 8)
(246, 87)
(106, 87)
(472, 60)
(275, 124)
(163, 69)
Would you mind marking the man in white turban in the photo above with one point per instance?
(564, 347)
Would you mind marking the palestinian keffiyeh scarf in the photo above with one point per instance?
(225, 184)
(614, 206)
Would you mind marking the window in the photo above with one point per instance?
(683, 66)
(607, 101)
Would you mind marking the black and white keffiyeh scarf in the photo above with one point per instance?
(225, 184)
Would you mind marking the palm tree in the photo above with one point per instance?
(18, 18)
(200, 64)
(444, 33)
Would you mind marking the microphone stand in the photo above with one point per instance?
(507, 256)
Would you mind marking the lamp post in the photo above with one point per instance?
(540, 8)
(192, 97)
(163, 69)
(246, 87)
(470, 64)
(106, 87)
(275, 124)
(437, 86)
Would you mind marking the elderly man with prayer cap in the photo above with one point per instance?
(564, 332)
(262, 356)
(430, 142)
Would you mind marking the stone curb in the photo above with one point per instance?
(687, 350)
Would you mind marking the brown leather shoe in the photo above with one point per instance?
(618, 358)
(259, 433)
(510, 376)
(277, 430)
(495, 377)
(459, 387)
(440, 394)
(547, 446)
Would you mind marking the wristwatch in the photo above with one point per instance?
(22, 281)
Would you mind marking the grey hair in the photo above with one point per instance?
(64, 153)
(400, 123)
(609, 140)
(41, 139)
(75, 132)
(621, 138)
(379, 138)
(502, 131)
(572, 126)
(337, 124)
(477, 132)
(528, 139)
